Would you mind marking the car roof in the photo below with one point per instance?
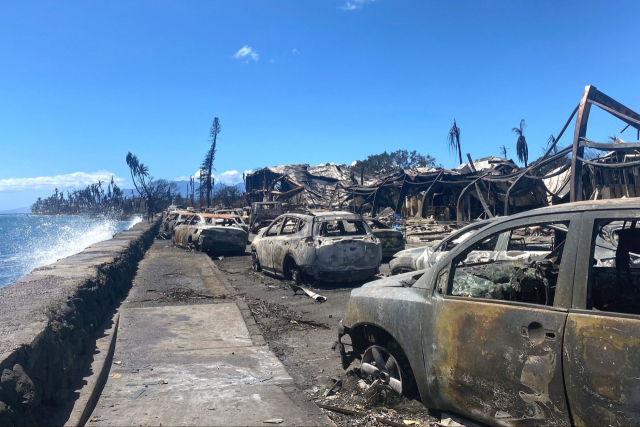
(214, 215)
(583, 206)
(323, 214)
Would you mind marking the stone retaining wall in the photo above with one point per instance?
(48, 321)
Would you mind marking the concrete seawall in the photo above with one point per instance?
(48, 321)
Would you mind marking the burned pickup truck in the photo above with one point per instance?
(325, 246)
(263, 214)
(212, 233)
(544, 333)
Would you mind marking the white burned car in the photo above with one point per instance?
(212, 233)
(325, 246)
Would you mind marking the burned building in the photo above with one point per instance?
(475, 189)
(481, 188)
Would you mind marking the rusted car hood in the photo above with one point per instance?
(399, 281)
(412, 252)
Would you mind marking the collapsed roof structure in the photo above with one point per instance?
(471, 190)
(481, 188)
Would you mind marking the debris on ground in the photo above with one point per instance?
(309, 292)
(182, 293)
(360, 403)
(266, 310)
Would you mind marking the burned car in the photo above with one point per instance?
(550, 339)
(212, 233)
(424, 257)
(176, 218)
(392, 240)
(263, 213)
(236, 213)
(325, 246)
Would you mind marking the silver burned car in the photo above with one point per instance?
(325, 246)
(533, 320)
(425, 257)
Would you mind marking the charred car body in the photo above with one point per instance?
(425, 257)
(235, 213)
(391, 240)
(212, 233)
(550, 339)
(176, 218)
(326, 246)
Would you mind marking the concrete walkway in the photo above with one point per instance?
(193, 361)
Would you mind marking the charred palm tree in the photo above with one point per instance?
(453, 139)
(552, 141)
(521, 144)
(503, 152)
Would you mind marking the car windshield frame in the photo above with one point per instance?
(319, 223)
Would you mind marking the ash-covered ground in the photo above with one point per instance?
(303, 334)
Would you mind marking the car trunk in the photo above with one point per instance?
(346, 253)
(231, 235)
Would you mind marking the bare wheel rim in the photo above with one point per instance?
(379, 364)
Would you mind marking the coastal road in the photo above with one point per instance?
(188, 353)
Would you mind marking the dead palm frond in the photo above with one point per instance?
(453, 138)
(522, 150)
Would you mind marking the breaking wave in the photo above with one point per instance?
(29, 241)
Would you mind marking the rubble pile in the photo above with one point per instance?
(352, 401)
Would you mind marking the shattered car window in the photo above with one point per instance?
(614, 280)
(535, 238)
(273, 230)
(290, 226)
(340, 228)
(302, 224)
(516, 274)
(223, 222)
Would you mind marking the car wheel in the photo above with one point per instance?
(379, 364)
(255, 263)
(290, 270)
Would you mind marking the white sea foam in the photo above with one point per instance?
(29, 242)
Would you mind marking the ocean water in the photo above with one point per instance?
(31, 241)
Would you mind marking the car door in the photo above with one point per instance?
(602, 337)
(265, 250)
(282, 243)
(493, 340)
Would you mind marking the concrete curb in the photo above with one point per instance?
(49, 321)
(90, 393)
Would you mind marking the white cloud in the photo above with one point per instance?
(354, 4)
(295, 51)
(67, 181)
(229, 177)
(247, 53)
(271, 61)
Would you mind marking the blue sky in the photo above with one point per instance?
(299, 81)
